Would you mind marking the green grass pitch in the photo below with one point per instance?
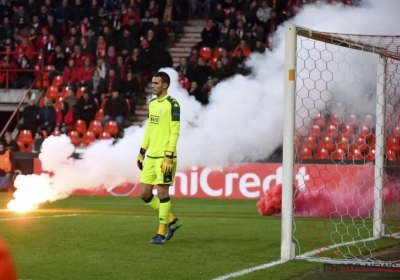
(108, 239)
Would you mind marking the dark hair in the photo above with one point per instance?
(40, 133)
(164, 77)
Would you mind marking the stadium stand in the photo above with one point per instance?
(79, 52)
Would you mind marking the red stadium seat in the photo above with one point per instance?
(395, 132)
(322, 153)
(217, 52)
(365, 131)
(80, 91)
(103, 103)
(319, 120)
(111, 127)
(80, 126)
(96, 127)
(315, 132)
(305, 153)
(393, 144)
(99, 115)
(327, 143)
(310, 143)
(360, 143)
(336, 119)
(351, 120)
(57, 81)
(74, 136)
(205, 53)
(44, 133)
(25, 137)
(331, 131)
(213, 62)
(343, 143)
(371, 153)
(56, 133)
(65, 91)
(368, 120)
(355, 153)
(21, 146)
(339, 154)
(297, 141)
(57, 104)
(88, 138)
(52, 93)
(347, 131)
(104, 135)
(391, 155)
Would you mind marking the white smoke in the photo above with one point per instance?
(244, 119)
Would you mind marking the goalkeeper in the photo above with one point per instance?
(159, 143)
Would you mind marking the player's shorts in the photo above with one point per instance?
(151, 173)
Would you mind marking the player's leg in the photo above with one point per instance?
(164, 184)
(147, 180)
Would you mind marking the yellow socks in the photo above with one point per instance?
(163, 215)
(163, 208)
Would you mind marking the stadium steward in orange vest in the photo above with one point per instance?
(6, 169)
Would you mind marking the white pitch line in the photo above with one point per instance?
(249, 270)
(37, 217)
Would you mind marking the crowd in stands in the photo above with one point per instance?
(101, 53)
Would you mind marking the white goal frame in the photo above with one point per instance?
(287, 244)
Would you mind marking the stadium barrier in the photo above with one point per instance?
(237, 181)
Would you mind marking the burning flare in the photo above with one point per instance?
(32, 190)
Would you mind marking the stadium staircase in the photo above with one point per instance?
(191, 36)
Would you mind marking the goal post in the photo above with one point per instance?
(342, 124)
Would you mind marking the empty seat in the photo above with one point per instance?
(80, 91)
(351, 120)
(57, 104)
(56, 133)
(322, 153)
(80, 126)
(370, 153)
(65, 90)
(305, 153)
(319, 120)
(104, 135)
(96, 127)
(25, 137)
(347, 131)
(393, 144)
(336, 119)
(327, 143)
(103, 103)
(99, 115)
(355, 153)
(331, 131)
(315, 132)
(88, 138)
(44, 133)
(365, 131)
(57, 81)
(52, 93)
(360, 143)
(368, 120)
(339, 154)
(310, 143)
(21, 147)
(395, 132)
(343, 143)
(391, 155)
(111, 127)
(75, 139)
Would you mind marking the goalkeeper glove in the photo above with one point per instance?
(166, 164)
(140, 158)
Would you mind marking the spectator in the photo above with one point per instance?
(230, 42)
(183, 67)
(6, 63)
(250, 13)
(65, 120)
(102, 68)
(115, 109)
(201, 72)
(30, 116)
(47, 116)
(136, 63)
(210, 34)
(59, 61)
(263, 13)
(9, 143)
(130, 90)
(6, 168)
(259, 47)
(170, 17)
(243, 47)
(85, 73)
(71, 99)
(24, 78)
(86, 108)
(219, 15)
(70, 74)
(38, 141)
(183, 81)
(112, 83)
(126, 42)
(95, 85)
(220, 71)
(110, 58)
(24, 48)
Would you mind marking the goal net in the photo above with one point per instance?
(342, 131)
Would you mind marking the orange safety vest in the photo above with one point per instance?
(5, 162)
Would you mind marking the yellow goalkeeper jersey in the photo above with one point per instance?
(163, 127)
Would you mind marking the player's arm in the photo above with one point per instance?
(175, 126)
(145, 145)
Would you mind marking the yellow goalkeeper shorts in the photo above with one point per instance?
(151, 173)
